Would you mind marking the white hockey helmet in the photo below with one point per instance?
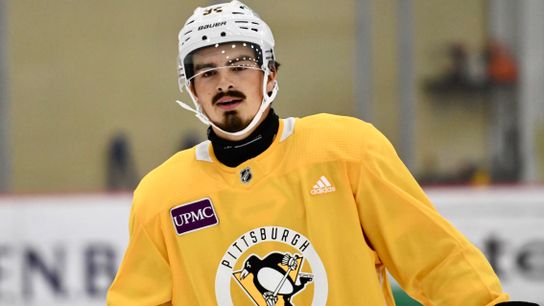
(218, 24)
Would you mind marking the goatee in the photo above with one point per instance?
(232, 122)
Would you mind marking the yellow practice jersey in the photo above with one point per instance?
(316, 219)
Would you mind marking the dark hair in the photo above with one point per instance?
(274, 66)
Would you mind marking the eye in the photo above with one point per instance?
(238, 68)
(207, 74)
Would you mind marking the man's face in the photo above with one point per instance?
(228, 84)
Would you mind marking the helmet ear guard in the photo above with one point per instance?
(218, 24)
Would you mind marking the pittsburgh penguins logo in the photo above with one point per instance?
(277, 275)
(272, 266)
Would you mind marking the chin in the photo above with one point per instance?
(233, 123)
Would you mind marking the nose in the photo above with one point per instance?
(225, 83)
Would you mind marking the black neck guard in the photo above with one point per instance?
(233, 153)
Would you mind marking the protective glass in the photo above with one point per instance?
(235, 59)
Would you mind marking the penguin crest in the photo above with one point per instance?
(274, 277)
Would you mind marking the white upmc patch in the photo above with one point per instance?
(262, 235)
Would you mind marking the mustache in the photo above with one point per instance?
(230, 93)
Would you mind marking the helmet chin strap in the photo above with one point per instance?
(267, 100)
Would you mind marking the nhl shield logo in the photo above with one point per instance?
(245, 175)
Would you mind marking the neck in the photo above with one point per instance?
(234, 152)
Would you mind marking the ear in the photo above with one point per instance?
(271, 79)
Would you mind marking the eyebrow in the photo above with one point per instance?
(202, 66)
(238, 58)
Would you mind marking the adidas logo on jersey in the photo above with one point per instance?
(322, 186)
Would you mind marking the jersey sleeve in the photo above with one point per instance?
(430, 259)
(144, 277)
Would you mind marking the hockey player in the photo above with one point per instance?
(270, 211)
